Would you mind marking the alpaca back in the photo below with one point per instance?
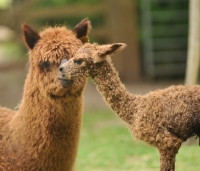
(175, 109)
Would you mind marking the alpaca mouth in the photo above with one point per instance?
(66, 83)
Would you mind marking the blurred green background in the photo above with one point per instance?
(156, 32)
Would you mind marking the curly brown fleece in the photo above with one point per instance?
(43, 134)
(163, 118)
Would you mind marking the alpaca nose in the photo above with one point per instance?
(61, 69)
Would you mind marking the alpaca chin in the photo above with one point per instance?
(66, 83)
(61, 93)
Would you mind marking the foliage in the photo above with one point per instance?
(46, 3)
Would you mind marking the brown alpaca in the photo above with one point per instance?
(43, 134)
(163, 118)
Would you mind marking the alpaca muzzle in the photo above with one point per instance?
(64, 78)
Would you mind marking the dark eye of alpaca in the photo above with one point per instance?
(45, 65)
(78, 61)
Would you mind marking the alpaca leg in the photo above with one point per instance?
(168, 150)
(167, 160)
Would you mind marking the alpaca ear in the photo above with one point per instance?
(110, 50)
(82, 29)
(30, 36)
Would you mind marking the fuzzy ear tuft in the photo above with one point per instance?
(108, 50)
(82, 29)
(111, 49)
(30, 36)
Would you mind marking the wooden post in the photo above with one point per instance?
(124, 28)
(193, 59)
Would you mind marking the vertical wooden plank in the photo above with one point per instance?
(124, 28)
(193, 60)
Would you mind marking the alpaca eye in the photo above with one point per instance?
(78, 62)
(46, 64)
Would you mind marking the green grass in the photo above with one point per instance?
(106, 145)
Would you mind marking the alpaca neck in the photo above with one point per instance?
(49, 127)
(54, 115)
(114, 92)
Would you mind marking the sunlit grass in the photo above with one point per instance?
(106, 145)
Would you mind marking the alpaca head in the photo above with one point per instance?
(46, 51)
(86, 59)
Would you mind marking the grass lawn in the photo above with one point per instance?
(106, 145)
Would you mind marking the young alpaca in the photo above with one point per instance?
(163, 118)
(43, 134)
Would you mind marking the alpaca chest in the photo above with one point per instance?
(39, 156)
